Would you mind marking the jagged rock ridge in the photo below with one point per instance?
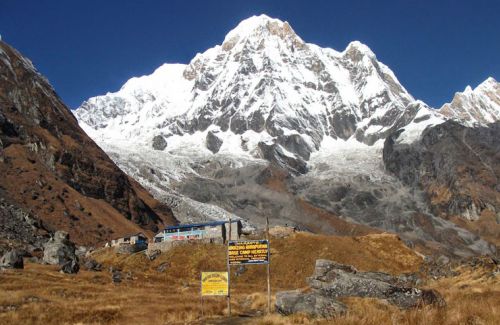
(480, 105)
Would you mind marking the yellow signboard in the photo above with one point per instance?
(248, 252)
(214, 284)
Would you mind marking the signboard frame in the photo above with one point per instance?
(252, 254)
(221, 288)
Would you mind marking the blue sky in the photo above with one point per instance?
(90, 47)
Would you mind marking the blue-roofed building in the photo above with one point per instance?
(214, 231)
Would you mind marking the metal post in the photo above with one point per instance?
(268, 268)
(228, 273)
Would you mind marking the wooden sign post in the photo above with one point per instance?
(251, 252)
(229, 273)
(268, 269)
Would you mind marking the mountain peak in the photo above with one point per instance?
(479, 105)
(358, 46)
(259, 27)
(488, 84)
(356, 51)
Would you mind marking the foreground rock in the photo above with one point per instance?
(331, 280)
(93, 265)
(12, 260)
(313, 304)
(59, 250)
(116, 276)
(337, 280)
(70, 267)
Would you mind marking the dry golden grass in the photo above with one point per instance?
(41, 295)
(473, 297)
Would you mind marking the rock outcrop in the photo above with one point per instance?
(277, 155)
(20, 228)
(92, 265)
(213, 142)
(70, 267)
(12, 260)
(332, 280)
(458, 168)
(59, 250)
(336, 280)
(312, 304)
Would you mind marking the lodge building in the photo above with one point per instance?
(212, 232)
(133, 239)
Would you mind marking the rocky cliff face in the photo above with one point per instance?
(50, 167)
(458, 167)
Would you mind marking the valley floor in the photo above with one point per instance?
(41, 295)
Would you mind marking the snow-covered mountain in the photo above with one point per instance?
(206, 137)
(263, 88)
(480, 105)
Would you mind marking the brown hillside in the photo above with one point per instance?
(51, 167)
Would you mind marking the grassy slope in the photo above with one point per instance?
(173, 297)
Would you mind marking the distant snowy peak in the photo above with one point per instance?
(263, 91)
(260, 27)
(480, 105)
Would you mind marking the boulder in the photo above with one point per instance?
(93, 265)
(312, 304)
(335, 280)
(116, 276)
(70, 267)
(332, 280)
(12, 260)
(59, 250)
